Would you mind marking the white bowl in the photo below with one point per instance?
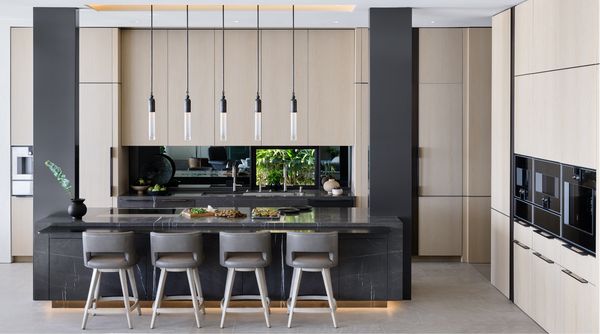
(337, 192)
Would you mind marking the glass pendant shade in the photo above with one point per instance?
(223, 124)
(187, 119)
(151, 118)
(293, 119)
(257, 119)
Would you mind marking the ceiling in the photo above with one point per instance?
(427, 13)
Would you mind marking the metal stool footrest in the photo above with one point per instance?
(245, 309)
(312, 309)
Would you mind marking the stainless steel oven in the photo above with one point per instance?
(22, 170)
(579, 206)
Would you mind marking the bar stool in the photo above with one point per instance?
(311, 252)
(110, 252)
(177, 252)
(245, 252)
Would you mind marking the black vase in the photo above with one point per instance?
(77, 209)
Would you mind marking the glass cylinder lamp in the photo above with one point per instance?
(223, 123)
(187, 119)
(151, 118)
(257, 119)
(293, 119)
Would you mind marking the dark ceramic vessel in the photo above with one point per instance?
(77, 209)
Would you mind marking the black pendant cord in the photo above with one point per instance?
(223, 48)
(293, 50)
(151, 50)
(257, 51)
(187, 47)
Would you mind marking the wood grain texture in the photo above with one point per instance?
(440, 226)
(21, 86)
(202, 86)
(135, 89)
(440, 55)
(360, 150)
(500, 116)
(476, 230)
(331, 87)
(523, 37)
(98, 55)
(22, 226)
(276, 86)
(522, 277)
(499, 251)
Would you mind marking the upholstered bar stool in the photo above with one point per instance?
(177, 252)
(110, 252)
(311, 252)
(245, 252)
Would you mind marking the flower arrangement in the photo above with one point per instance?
(61, 178)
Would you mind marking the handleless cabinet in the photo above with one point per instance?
(22, 226)
(21, 86)
(135, 87)
(499, 252)
(99, 55)
(522, 283)
(578, 308)
(276, 86)
(545, 291)
(201, 86)
(523, 37)
(440, 226)
(331, 87)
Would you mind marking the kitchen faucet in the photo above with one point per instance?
(234, 172)
(285, 175)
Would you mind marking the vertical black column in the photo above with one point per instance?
(392, 165)
(55, 120)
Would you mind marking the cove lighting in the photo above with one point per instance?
(233, 7)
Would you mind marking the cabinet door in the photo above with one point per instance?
(500, 258)
(201, 76)
(523, 37)
(545, 292)
(95, 141)
(98, 55)
(500, 139)
(240, 86)
(440, 226)
(21, 86)
(476, 230)
(331, 87)
(440, 139)
(276, 83)
(579, 304)
(440, 55)
(522, 276)
(22, 226)
(135, 88)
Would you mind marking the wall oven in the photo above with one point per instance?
(547, 185)
(579, 207)
(22, 170)
(523, 182)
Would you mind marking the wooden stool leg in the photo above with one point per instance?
(199, 289)
(193, 294)
(327, 280)
(228, 290)
(297, 276)
(96, 294)
(88, 303)
(131, 276)
(123, 278)
(262, 288)
(159, 296)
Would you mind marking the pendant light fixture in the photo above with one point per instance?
(257, 102)
(187, 105)
(151, 102)
(293, 102)
(223, 127)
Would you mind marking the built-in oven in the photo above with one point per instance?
(546, 220)
(523, 181)
(22, 170)
(547, 185)
(579, 206)
(523, 211)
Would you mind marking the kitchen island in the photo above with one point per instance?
(370, 264)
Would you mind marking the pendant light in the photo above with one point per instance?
(257, 102)
(151, 102)
(223, 127)
(293, 102)
(187, 105)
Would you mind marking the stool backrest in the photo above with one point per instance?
(312, 242)
(108, 242)
(187, 242)
(253, 242)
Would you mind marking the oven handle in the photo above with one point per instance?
(575, 250)
(577, 278)
(544, 234)
(522, 223)
(545, 259)
(516, 242)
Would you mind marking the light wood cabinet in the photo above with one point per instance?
(500, 115)
(499, 251)
(240, 86)
(578, 308)
(99, 55)
(522, 276)
(95, 144)
(202, 86)
(523, 37)
(276, 86)
(565, 34)
(331, 87)
(21, 86)
(545, 291)
(135, 88)
(476, 229)
(440, 226)
(440, 55)
(22, 226)
(440, 139)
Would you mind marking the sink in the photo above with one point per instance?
(273, 194)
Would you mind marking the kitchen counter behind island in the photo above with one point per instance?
(370, 267)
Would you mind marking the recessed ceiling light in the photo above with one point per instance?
(336, 21)
(236, 21)
(432, 21)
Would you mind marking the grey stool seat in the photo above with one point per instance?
(311, 252)
(177, 252)
(245, 252)
(110, 252)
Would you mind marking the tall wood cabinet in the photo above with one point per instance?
(21, 86)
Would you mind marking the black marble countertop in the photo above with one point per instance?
(344, 220)
(244, 192)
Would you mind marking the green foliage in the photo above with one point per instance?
(300, 163)
(60, 177)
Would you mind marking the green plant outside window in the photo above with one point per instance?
(300, 163)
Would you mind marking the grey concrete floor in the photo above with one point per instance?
(447, 298)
